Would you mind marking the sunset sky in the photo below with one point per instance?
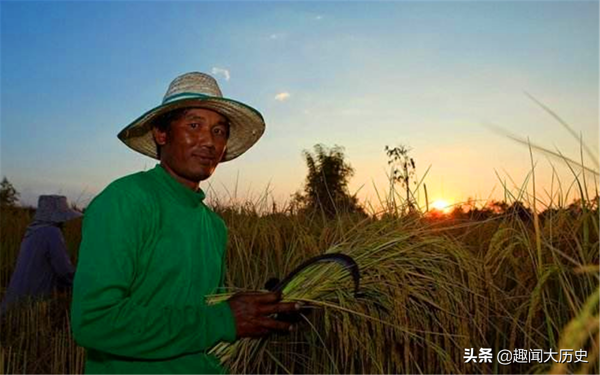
(362, 75)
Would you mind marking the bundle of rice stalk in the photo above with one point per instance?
(421, 303)
(582, 332)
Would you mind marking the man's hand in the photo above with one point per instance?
(251, 311)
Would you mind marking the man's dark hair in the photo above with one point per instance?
(164, 121)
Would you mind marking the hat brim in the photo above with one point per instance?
(63, 216)
(246, 124)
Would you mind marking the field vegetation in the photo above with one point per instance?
(521, 273)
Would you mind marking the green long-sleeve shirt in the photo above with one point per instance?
(151, 251)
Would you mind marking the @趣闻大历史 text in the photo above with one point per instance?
(506, 357)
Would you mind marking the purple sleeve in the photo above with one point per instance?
(59, 259)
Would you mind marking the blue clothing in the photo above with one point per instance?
(42, 266)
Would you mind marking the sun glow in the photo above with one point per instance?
(441, 205)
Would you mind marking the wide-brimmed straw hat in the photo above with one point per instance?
(54, 209)
(198, 90)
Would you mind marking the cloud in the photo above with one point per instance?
(221, 71)
(277, 36)
(282, 96)
(318, 17)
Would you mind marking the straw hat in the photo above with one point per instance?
(201, 91)
(54, 209)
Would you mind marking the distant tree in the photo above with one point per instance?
(403, 169)
(326, 187)
(595, 203)
(8, 194)
(518, 209)
(298, 202)
(498, 207)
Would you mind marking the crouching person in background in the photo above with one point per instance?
(43, 265)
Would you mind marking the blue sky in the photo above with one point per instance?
(362, 75)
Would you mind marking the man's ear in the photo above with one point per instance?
(159, 136)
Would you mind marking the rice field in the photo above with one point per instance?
(431, 287)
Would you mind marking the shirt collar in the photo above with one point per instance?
(182, 193)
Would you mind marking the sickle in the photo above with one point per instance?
(346, 261)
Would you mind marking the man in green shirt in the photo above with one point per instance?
(152, 250)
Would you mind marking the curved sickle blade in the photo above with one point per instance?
(346, 261)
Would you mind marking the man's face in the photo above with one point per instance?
(193, 145)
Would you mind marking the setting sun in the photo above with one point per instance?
(441, 205)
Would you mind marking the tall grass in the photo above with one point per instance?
(427, 294)
(407, 269)
(431, 287)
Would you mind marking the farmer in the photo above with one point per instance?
(152, 250)
(43, 265)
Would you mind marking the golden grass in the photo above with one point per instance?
(430, 288)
